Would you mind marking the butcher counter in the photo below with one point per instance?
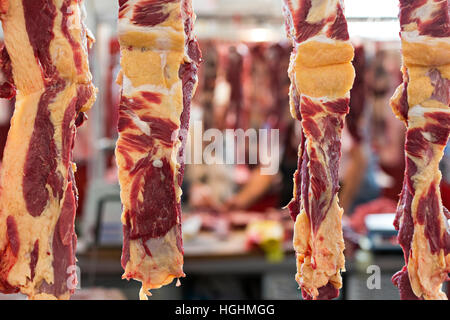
(225, 269)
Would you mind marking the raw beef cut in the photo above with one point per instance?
(46, 62)
(422, 102)
(159, 60)
(322, 75)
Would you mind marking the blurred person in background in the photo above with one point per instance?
(207, 186)
(388, 133)
(269, 96)
(386, 137)
(254, 191)
(357, 166)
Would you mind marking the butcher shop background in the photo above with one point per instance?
(237, 236)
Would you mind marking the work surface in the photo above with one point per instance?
(213, 262)
(205, 246)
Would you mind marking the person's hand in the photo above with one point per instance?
(236, 202)
(201, 197)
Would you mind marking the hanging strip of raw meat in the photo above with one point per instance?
(322, 75)
(159, 59)
(422, 102)
(46, 61)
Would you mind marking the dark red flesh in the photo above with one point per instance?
(41, 159)
(39, 20)
(149, 13)
(7, 88)
(401, 280)
(326, 292)
(76, 47)
(315, 174)
(338, 30)
(8, 256)
(34, 256)
(305, 30)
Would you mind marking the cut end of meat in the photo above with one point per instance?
(401, 281)
(327, 292)
(163, 262)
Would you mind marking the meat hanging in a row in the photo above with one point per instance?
(45, 67)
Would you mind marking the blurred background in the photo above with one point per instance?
(237, 236)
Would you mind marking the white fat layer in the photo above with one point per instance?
(414, 36)
(157, 163)
(416, 111)
(142, 125)
(325, 99)
(419, 111)
(427, 136)
(326, 7)
(320, 38)
(163, 56)
(426, 11)
(295, 4)
(125, 25)
(323, 39)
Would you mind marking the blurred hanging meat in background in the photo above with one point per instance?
(7, 96)
(237, 112)
(207, 83)
(387, 134)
